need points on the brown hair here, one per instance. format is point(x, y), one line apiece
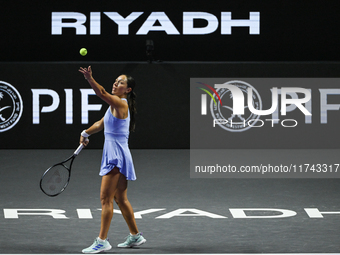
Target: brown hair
point(131, 98)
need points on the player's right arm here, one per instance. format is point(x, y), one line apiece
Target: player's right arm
point(95, 128)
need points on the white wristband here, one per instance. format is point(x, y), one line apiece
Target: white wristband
point(84, 134)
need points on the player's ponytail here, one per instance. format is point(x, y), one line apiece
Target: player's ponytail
point(131, 98)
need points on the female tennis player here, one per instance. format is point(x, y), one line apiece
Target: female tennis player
point(117, 165)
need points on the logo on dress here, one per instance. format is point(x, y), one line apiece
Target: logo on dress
point(11, 106)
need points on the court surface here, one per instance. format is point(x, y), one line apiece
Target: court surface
point(177, 214)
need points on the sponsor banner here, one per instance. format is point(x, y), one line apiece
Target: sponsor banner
point(49, 104)
point(156, 31)
point(227, 113)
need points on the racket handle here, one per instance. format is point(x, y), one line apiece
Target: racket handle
point(80, 147)
point(78, 150)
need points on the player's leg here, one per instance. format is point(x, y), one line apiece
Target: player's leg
point(124, 204)
point(135, 238)
point(107, 193)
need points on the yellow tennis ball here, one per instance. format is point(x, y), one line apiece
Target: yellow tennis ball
point(83, 51)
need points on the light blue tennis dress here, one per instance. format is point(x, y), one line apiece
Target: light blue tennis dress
point(116, 150)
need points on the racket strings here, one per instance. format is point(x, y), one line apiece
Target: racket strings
point(55, 180)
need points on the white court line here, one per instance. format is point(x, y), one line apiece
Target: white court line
point(199, 254)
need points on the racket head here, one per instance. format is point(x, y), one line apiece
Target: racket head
point(55, 179)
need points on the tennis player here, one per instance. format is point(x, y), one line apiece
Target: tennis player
point(117, 165)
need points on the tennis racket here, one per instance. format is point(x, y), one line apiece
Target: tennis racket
point(56, 178)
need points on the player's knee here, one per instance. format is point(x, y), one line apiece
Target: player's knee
point(120, 199)
point(105, 199)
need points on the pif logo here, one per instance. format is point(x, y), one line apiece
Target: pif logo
point(11, 106)
point(239, 105)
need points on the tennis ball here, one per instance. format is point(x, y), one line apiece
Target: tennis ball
point(83, 51)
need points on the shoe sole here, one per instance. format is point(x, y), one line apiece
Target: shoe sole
point(93, 252)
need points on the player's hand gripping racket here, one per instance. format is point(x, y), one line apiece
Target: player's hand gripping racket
point(56, 178)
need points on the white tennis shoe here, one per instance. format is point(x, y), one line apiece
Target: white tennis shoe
point(98, 246)
point(132, 241)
